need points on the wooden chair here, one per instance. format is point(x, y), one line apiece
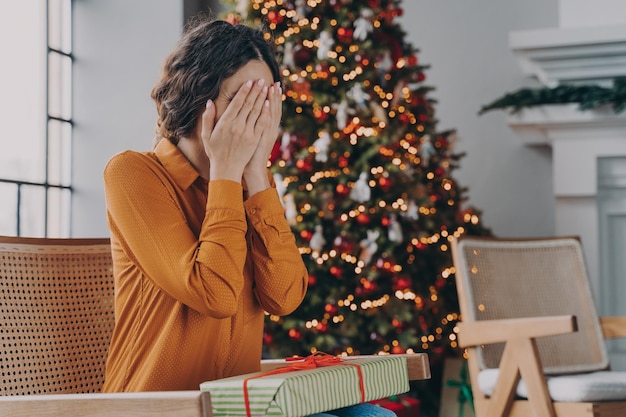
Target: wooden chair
point(57, 316)
point(56, 305)
point(534, 341)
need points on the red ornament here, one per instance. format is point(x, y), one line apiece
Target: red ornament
point(385, 221)
point(330, 308)
point(276, 152)
point(306, 235)
point(345, 34)
point(295, 334)
point(335, 271)
point(421, 76)
point(402, 283)
point(302, 90)
point(312, 280)
point(341, 189)
point(368, 286)
point(404, 118)
point(304, 165)
point(397, 349)
point(320, 115)
point(363, 218)
point(274, 17)
point(384, 183)
point(412, 60)
point(267, 338)
point(342, 243)
point(321, 326)
point(343, 162)
point(302, 56)
point(395, 46)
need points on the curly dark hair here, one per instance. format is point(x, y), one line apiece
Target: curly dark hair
point(209, 52)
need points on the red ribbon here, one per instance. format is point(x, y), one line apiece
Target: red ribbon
point(316, 360)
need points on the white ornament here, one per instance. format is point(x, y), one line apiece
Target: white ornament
point(301, 10)
point(290, 209)
point(412, 212)
point(342, 114)
point(285, 141)
point(326, 42)
point(426, 149)
point(361, 191)
point(369, 246)
point(321, 145)
point(317, 241)
point(395, 230)
point(363, 25)
point(384, 65)
point(242, 8)
point(288, 60)
point(359, 96)
point(280, 187)
point(379, 112)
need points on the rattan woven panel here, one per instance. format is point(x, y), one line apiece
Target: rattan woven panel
point(56, 305)
point(529, 279)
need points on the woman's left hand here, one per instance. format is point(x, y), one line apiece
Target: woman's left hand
point(255, 172)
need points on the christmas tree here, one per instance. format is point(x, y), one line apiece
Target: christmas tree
point(366, 181)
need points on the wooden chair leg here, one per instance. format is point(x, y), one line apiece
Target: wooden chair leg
point(508, 378)
point(532, 374)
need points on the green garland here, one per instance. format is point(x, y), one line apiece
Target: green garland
point(587, 96)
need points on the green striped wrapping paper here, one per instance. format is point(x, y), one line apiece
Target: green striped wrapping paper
point(300, 393)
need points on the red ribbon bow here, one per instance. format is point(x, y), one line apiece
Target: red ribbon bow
point(299, 363)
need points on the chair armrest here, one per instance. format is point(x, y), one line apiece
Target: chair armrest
point(417, 364)
point(485, 332)
point(613, 327)
point(144, 404)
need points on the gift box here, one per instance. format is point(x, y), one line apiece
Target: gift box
point(291, 392)
point(456, 392)
point(401, 405)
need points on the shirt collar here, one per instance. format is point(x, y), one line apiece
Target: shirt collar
point(176, 163)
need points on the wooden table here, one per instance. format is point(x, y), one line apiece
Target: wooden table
point(147, 404)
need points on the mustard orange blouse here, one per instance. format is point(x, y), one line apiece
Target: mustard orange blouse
point(196, 264)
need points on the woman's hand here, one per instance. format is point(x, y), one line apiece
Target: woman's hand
point(255, 172)
point(231, 142)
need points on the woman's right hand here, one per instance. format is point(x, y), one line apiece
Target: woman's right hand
point(230, 143)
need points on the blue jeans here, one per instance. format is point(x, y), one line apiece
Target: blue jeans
point(358, 410)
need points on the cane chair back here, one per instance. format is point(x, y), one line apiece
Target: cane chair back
point(535, 344)
point(532, 278)
point(56, 305)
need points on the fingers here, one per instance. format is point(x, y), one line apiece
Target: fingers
point(276, 103)
point(258, 102)
point(208, 121)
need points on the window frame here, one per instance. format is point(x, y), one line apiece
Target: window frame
point(59, 189)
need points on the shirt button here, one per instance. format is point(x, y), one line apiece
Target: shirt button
point(253, 211)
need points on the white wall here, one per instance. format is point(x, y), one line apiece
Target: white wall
point(466, 44)
point(119, 47)
point(578, 13)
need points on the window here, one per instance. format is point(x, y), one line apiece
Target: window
point(36, 115)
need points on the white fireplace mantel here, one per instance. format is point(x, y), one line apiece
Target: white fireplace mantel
point(583, 54)
point(578, 139)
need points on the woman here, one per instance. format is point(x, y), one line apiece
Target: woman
point(201, 246)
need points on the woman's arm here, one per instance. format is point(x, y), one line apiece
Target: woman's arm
point(205, 273)
point(279, 272)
